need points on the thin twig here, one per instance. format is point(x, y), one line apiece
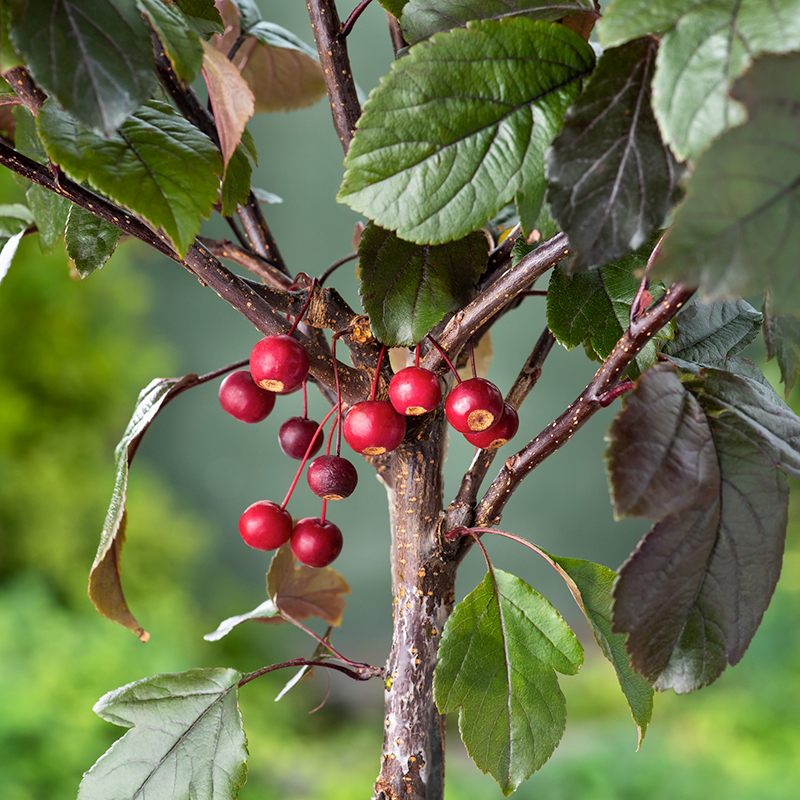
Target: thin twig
point(354, 15)
point(359, 674)
point(581, 410)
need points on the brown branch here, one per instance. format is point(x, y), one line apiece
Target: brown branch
point(263, 306)
point(336, 69)
point(22, 83)
point(398, 42)
point(256, 230)
point(504, 290)
point(247, 259)
point(461, 508)
point(581, 410)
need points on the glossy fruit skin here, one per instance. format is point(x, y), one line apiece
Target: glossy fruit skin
point(316, 542)
point(240, 397)
point(496, 436)
point(373, 427)
point(295, 434)
point(265, 525)
point(279, 364)
point(332, 477)
point(415, 391)
point(473, 405)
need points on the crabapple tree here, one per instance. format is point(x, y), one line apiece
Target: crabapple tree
point(636, 164)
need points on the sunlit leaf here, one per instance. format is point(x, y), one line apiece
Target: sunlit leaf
point(624, 20)
point(304, 592)
point(407, 288)
point(692, 595)
point(231, 99)
point(423, 18)
point(698, 60)
point(434, 163)
point(94, 56)
point(181, 43)
point(105, 586)
point(739, 229)
point(611, 179)
point(497, 660)
point(8, 249)
point(143, 166)
point(90, 240)
point(186, 739)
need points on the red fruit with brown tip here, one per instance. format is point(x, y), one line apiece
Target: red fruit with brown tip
point(316, 542)
point(496, 436)
point(265, 525)
point(474, 405)
point(243, 399)
point(279, 364)
point(415, 391)
point(332, 477)
point(296, 434)
point(373, 427)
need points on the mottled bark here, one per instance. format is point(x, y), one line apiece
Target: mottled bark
point(423, 578)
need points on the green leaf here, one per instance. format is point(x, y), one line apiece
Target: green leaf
point(263, 196)
point(105, 587)
point(624, 20)
point(708, 332)
point(782, 340)
point(8, 249)
point(593, 308)
point(202, 16)
point(236, 186)
point(14, 217)
point(611, 179)
point(591, 586)
point(738, 230)
point(94, 56)
point(50, 210)
point(697, 62)
point(693, 593)
point(143, 166)
point(394, 7)
point(181, 43)
point(281, 70)
point(186, 739)
point(407, 288)
point(249, 12)
point(497, 660)
point(90, 240)
point(423, 18)
point(435, 164)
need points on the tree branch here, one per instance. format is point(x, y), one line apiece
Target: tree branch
point(332, 50)
point(496, 297)
point(581, 410)
point(263, 306)
point(256, 230)
point(461, 508)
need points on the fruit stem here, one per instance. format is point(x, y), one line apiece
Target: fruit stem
point(322, 513)
point(416, 358)
point(377, 372)
point(444, 356)
point(333, 267)
point(472, 358)
point(305, 399)
point(306, 456)
point(305, 306)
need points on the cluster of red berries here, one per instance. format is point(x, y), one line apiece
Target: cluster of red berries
point(279, 365)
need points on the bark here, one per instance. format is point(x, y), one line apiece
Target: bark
point(423, 579)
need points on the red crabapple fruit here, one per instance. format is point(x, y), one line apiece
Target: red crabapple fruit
point(279, 364)
point(473, 405)
point(316, 542)
point(373, 427)
point(243, 399)
point(265, 525)
point(496, 436)
point(296, 434)
point(415, 391)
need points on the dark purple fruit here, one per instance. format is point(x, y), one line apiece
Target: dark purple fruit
point(332, 477)
point(296, 434)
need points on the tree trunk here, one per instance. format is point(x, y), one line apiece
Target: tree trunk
point(423, 579)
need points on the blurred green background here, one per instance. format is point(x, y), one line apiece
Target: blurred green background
point(73, 357)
